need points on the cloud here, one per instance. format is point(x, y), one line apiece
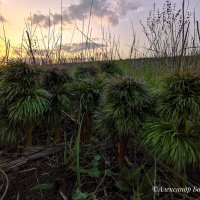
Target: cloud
point(112, 11)
point(76, 47)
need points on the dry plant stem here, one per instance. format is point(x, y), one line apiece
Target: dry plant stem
point(77, 149)
point(87, 38)
point(7, 184)
point(133, 44)
point(86, 129)
point(173, 171)
point(38, 184)
point(7, 43)
point(121, 151)
point(98, 186)
point(61, 22)
point(117, 48)
point(29, 140)
point(198, 32)
point(183, 24)
point(58, 134)
point(21, 47)
point(155, 164)
point(88, 30)
point(30, 48)
point(169, 35)
point(183, 50)
point(177, 178)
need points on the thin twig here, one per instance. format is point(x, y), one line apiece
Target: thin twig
point(7, 184)
point(30, 48)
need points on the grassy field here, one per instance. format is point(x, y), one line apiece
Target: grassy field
point(99, 130)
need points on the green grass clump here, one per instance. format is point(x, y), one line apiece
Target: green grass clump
point(172, 135)
point(124, 107)
point(24, 100)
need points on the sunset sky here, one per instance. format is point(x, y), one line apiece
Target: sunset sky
point(117, 14)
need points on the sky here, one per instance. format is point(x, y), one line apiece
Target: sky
point(108, 17)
